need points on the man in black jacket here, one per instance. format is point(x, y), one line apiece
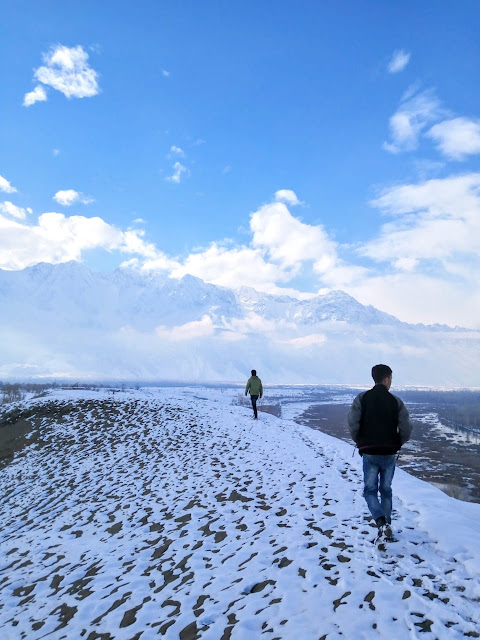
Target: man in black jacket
point(379, 424)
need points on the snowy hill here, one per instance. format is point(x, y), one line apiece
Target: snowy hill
point(171, 513)
point(66, 321)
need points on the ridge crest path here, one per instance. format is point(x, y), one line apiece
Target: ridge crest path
point(171, 513)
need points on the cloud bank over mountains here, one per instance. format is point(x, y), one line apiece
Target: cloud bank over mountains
point(66, 321)
point(418, 266)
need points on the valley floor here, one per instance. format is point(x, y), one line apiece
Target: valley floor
point(171, 513)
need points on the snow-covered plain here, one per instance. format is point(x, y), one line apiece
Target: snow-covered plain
point(171, 513)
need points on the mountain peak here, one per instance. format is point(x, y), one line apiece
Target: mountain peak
point(71, 266)
point(66, 320)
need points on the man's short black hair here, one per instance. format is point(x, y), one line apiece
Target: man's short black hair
point(380, 372)
point(254, 373)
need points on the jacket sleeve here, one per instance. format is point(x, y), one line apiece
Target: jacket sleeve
point(261, 389)
point(354, 417)
point(404, 424)
point(247, 387)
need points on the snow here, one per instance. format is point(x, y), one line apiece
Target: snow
point(171, 512)
point(65, 321)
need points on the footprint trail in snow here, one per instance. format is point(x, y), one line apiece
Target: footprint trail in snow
point(161, 513)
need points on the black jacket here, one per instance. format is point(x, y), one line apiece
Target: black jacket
point(379, 422)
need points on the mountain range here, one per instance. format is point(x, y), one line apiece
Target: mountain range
point(66, 321)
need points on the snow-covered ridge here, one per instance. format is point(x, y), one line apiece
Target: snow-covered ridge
point(123, 293)
point(171, 512)
point(66, 321)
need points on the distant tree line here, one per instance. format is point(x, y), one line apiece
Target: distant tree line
point(456, 408)
point(17, 391)
point(462, 415)
point(14, 391)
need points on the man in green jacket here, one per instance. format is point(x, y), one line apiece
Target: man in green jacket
point(254, 386)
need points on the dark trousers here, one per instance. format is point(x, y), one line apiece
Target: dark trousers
point(254, 404)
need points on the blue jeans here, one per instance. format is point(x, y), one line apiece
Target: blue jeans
point(377, 476)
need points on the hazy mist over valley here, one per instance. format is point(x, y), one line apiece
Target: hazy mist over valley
point(67, 322)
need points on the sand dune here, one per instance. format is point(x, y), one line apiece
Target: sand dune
point(171, 513)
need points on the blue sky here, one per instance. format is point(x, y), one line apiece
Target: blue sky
point(288, 146)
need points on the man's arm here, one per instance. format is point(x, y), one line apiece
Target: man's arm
point(354, 417)
point(261, 389)
point(404, 424)
point(247, 387)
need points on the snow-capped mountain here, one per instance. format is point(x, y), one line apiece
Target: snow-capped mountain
point(67, 321)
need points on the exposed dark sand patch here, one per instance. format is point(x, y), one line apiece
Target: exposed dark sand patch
point(189, 530)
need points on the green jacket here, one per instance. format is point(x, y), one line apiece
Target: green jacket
point(254, 385)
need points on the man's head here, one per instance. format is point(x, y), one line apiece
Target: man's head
point(254, 373)
point(382, 374)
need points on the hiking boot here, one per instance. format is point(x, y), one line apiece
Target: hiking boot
point(387, 530)
point(381, 522)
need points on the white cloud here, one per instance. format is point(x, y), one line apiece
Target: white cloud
point(287, 196)
point(428, 254)
point(281, 247)
point(434, 220)
point(133, 242)
point(6, 186)
point(157, 262)
point(177, 151)
point(12, 210)
point(232, 329)
point(66, 69)
point(56, 238)
point(457, 138)
point(56, 152)
point(231, 267)
point(416, 112)
point(289, 241)
point(191, 330)
point(254, 323)
point(226, 169)
point(341, 275)
point(399, 61)
point(428, 168)
point(417, 297)
point(406, 264)
point(67, 197)
point(307, 341)
point(37, 95)
point(178, 171)
point(165, 73)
